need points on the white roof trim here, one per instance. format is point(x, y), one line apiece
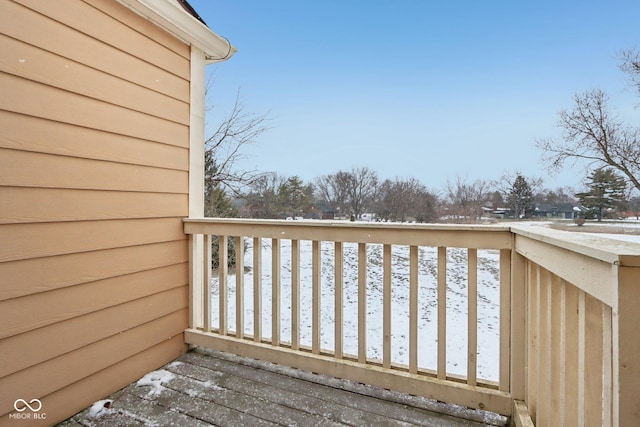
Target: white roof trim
point(168, 14)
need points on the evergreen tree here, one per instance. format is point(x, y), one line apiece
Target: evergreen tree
point(216, 202)
point(294, 198)
point(606, 191)
point(520, 198)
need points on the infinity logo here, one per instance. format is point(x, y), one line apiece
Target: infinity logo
point(37, 405)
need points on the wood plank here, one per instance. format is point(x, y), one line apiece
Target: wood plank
point(593, 363)
point(472, 316)
point(53, 375)
point(570, 364)
point(295, 294)
point(442, 390)
point(54, 171)
point(46, 274)
point(275, 291)
point(544, 353)
point(87, 112)
point(257, 289)
point(38, 310)
point(31, 205)
point(532, 338)
point(69, 43)
point(32, 63)
point(362, 302)
point(334, 405)
point(223, 285)
point(338, 259)
point(83, 330)
point(43, 239)
point(505, 319)
point(518, 326)
point(206, 283)
point(459, 236)
point(595, 277)
point(23, 132)
point(558, 349)
point(78, 395)
point(413, 309)
point(239, 273)
point(442, 313)
point(316, 292)
point(200, 402)
point(387, 306)
point(100, 26)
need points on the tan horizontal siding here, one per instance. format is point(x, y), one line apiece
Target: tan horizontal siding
point(59, 105)
point(23, 132)
point(49, 273)
point(81, 394)
point(30, 62)
point(132, 20)
point(72, 173)
point(54, 374)
point(45, 308)
point(29, 205)
point(100, 26)
point(43, 239)
point(83, 330)
point(94, 183)
point(38, 30)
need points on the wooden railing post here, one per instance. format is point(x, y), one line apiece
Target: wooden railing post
point(518, 325)
point(626, 363)
point(196, 253)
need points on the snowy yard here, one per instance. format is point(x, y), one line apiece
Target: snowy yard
point(488, 303)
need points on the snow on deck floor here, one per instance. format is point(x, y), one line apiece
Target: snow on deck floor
point(204, 388)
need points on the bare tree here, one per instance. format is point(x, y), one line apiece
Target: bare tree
point(466, 199)
point(350, 192)
point(631, 66)
point(404, 200)
point(224, 147)
point(591, 133)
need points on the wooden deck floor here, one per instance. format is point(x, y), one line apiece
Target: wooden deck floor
point(204, 388)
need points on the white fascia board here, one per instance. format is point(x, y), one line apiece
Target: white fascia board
point(168, 14)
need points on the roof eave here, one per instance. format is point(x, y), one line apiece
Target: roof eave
point(170, 16)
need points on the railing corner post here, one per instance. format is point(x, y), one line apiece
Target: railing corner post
point(196, 279)
point(518, 325)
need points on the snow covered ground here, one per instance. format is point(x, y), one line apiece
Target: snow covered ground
point(488, 303)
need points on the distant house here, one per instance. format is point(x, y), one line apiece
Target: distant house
point(101, 157)
point(558, 210)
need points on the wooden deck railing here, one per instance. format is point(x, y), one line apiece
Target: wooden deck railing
point(555, 301)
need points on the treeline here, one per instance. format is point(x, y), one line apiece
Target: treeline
point(360, 191)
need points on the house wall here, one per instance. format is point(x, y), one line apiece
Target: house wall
point(94, 182)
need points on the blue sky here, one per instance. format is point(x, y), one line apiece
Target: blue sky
point(424, 89)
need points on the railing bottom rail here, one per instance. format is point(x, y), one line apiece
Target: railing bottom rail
point(420, 385)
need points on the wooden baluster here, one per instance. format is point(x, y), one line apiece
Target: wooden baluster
point(239, 287)
point(275, 291)
point(339, 296)
point(362, 302)
point(206, 302)
point(315, 295)
point(295, 294)
point(472, 317)
point(223, 257)
point(386, 310)
point(442, 312)
point(257, 289)
point(413, 309)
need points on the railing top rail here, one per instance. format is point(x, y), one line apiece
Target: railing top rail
point(449, 235)
point(612, 251)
